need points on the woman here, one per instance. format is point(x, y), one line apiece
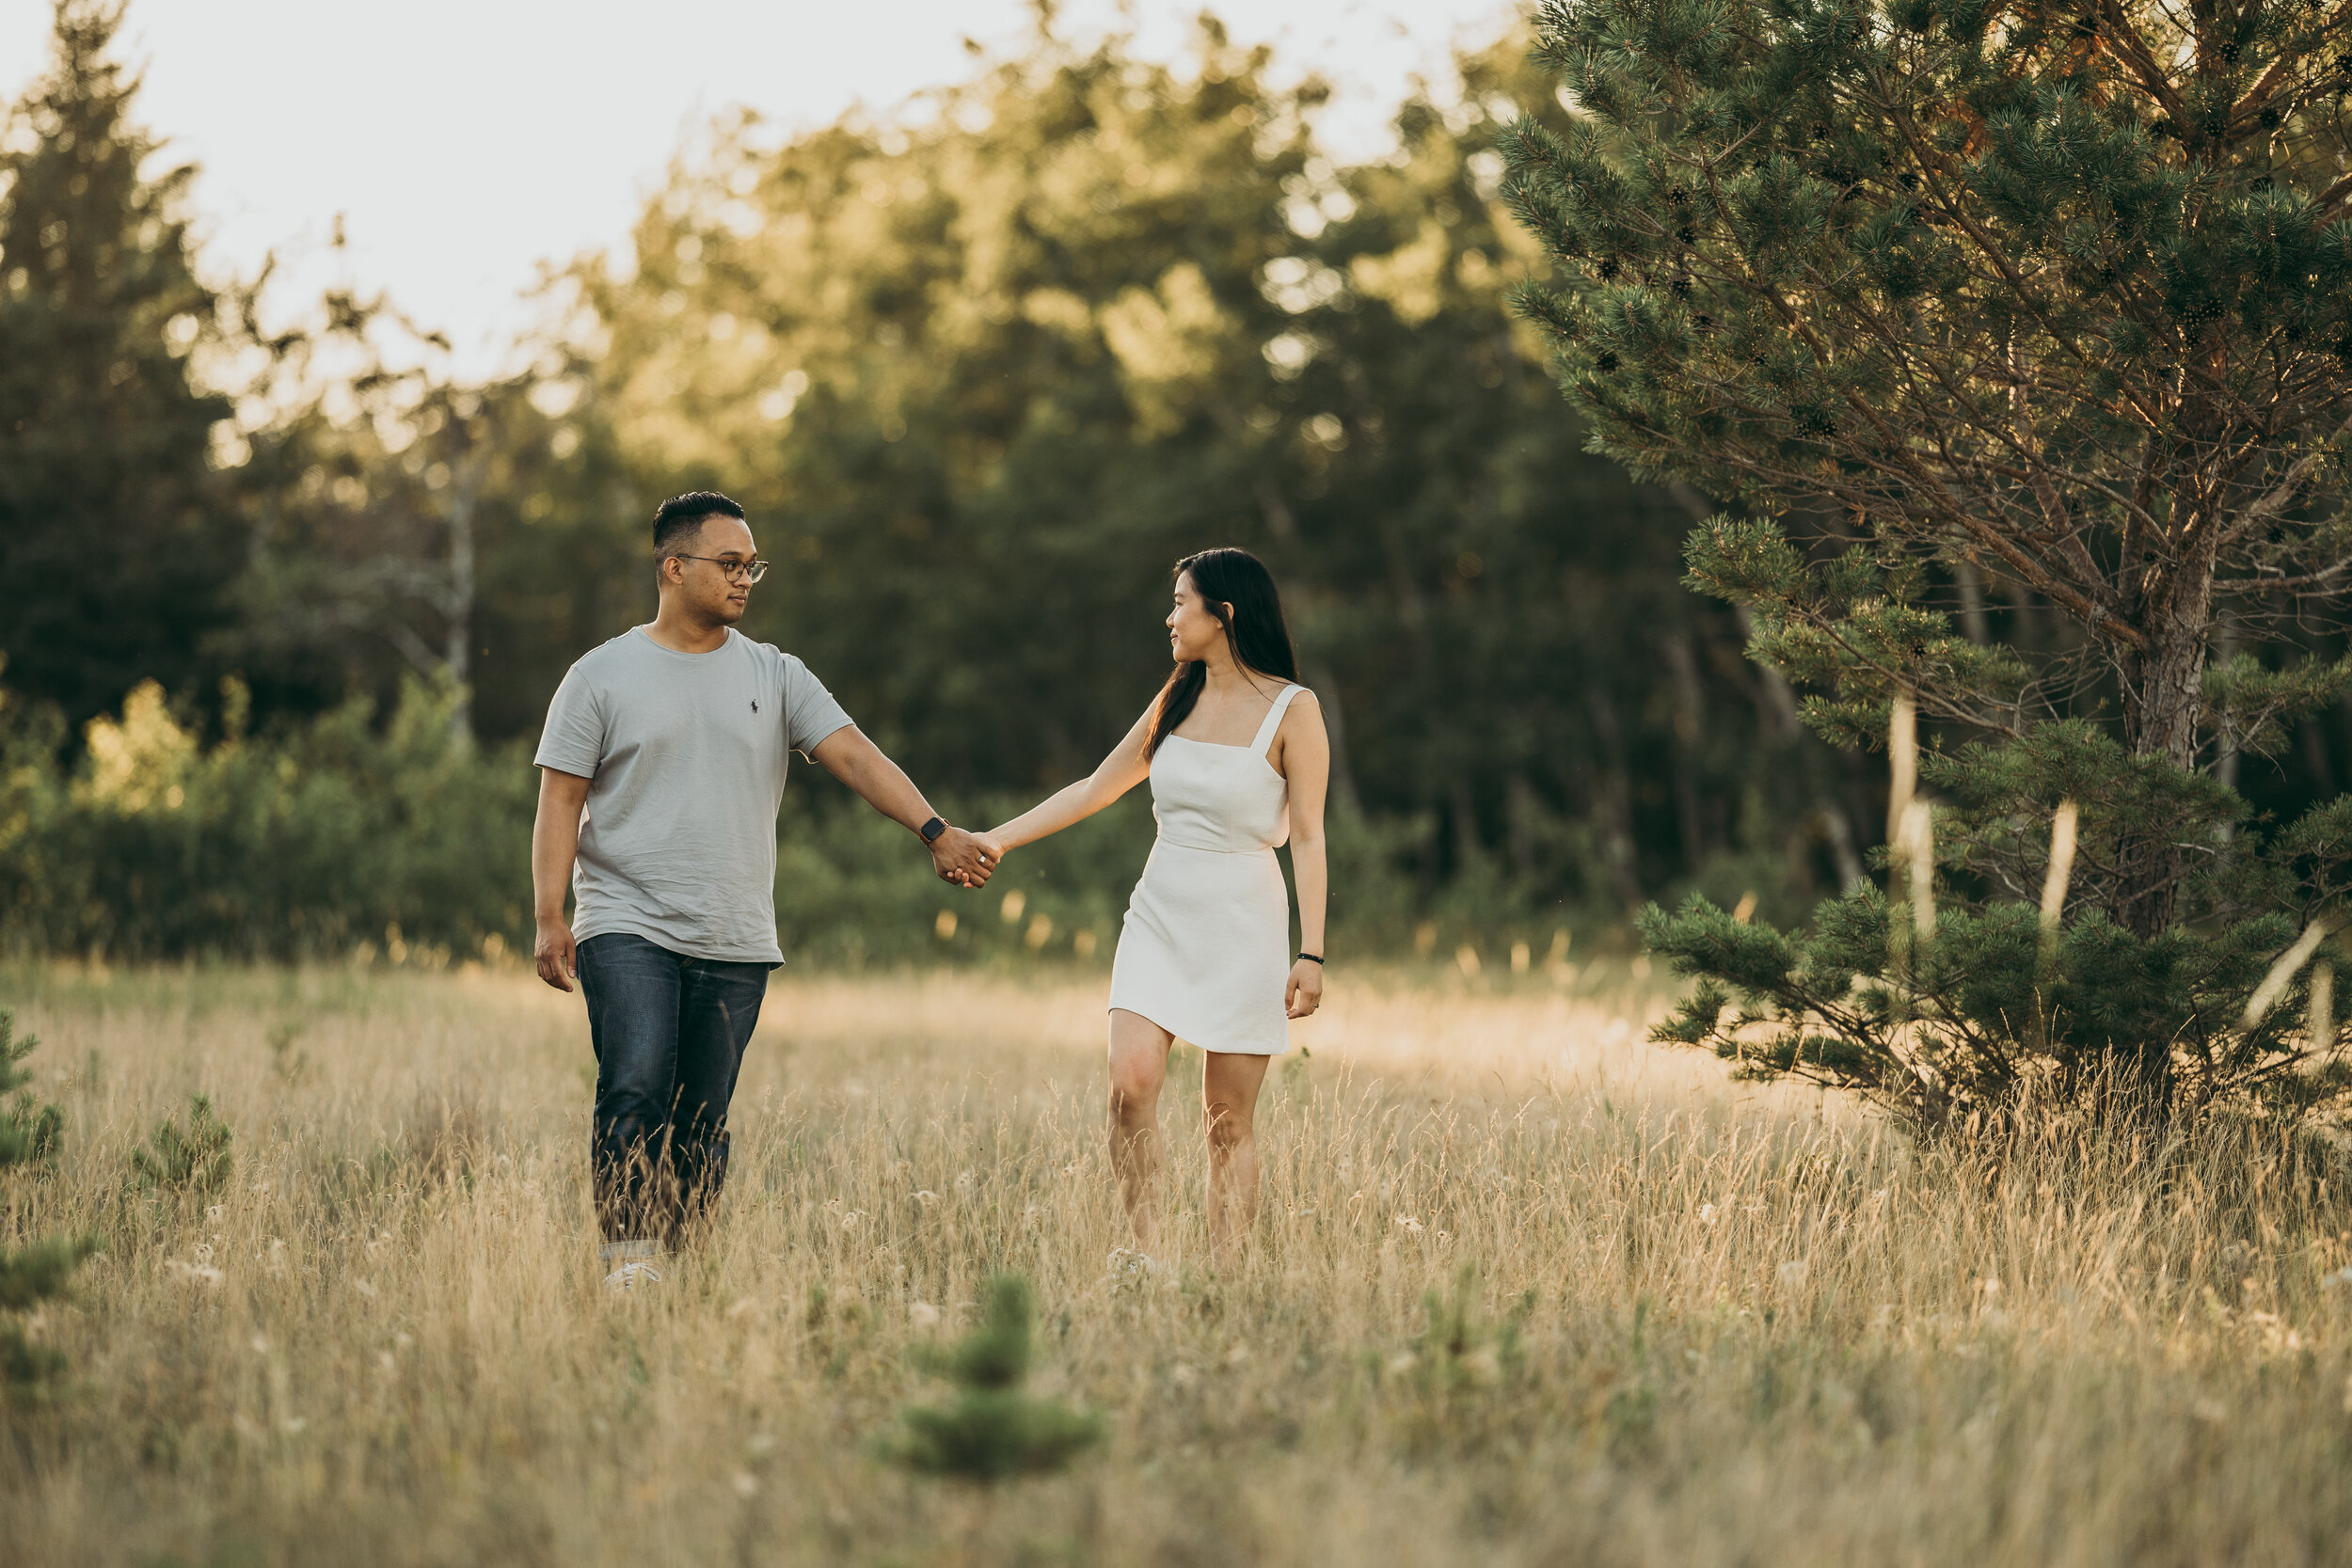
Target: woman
point(1238, 760)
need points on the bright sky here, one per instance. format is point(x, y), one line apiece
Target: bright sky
point(467, 141)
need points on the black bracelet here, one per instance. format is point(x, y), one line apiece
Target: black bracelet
point(1311, 958)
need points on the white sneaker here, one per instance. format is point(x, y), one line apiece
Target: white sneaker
point(632, 1265)
point(631, 1276)
point(1129, 1266)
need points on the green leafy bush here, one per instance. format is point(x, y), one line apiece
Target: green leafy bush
point(297, 843)
point(392, 836)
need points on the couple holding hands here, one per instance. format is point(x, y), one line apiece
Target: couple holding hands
point(661, 769)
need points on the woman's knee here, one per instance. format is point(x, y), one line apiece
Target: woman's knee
point(1228, 1097)
point(1135, 1097)
point(1138, 1065)
point(1230, 1126)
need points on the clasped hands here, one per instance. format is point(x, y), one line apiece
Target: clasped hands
point(963, 858)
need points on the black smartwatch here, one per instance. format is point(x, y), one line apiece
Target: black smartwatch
point(931, 830)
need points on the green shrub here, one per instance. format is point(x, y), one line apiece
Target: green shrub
point(29, 1132)
point(390, 834)
point(29, 1276)
point(195, 1158)
point(1460, 1349)
point(300, 843)
point(29, 1135)
point(1951, 1001)
point(991, 1431)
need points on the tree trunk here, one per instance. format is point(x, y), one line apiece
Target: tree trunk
point(1688, 725)
point(1788, 728)
point(2163, 684)
point(1520, 807)
point(458, 643)
point(1468, 850)
point(1973, 624)
point(1616, 804)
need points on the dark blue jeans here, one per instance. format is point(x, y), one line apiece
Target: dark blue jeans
point(669, 1032)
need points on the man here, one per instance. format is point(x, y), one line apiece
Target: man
point(673, 737)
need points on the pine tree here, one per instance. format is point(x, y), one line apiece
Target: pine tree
point(29, 1135)
point(116, 532)
point(2054, 295)
point(992, 1432)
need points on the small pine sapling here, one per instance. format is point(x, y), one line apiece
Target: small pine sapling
point(1458, 1349)
point(991, 1431)
point(30, 1134)
point(1454, 1381)
point(195, 1159)
point(29, 1276)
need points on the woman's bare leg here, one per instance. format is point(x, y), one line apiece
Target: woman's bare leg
point(1138, 1069)
point(1228, 1108)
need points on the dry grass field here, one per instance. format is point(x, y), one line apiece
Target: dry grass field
point(1704, 1324)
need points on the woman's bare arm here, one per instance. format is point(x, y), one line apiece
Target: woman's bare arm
point(1306, 762)
point(1120, 771)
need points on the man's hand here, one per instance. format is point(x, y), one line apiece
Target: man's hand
point(554, 846)
point(555, 955)
point(963, 858)
point(848, 755)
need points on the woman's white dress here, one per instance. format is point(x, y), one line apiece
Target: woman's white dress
point(1205, 951)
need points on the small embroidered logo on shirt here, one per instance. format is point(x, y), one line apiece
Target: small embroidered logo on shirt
point(755, 704)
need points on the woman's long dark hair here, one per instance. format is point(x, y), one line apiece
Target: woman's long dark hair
point(1254, 633)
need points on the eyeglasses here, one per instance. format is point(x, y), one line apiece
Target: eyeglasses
point(737, 571)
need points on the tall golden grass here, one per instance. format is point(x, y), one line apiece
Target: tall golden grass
point(1525, 1291)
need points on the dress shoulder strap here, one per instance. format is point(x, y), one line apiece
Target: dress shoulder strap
point(1274, 719)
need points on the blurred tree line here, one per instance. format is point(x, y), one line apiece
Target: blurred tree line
point(982, 371)
point(981, 368)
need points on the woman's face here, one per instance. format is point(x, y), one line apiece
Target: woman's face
point(1193, 632)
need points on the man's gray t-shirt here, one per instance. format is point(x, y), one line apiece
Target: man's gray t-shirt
point(686, 753)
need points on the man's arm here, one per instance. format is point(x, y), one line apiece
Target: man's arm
point(554, 844)
point(848, 755)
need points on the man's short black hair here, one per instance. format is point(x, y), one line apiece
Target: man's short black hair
point(676, 520)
